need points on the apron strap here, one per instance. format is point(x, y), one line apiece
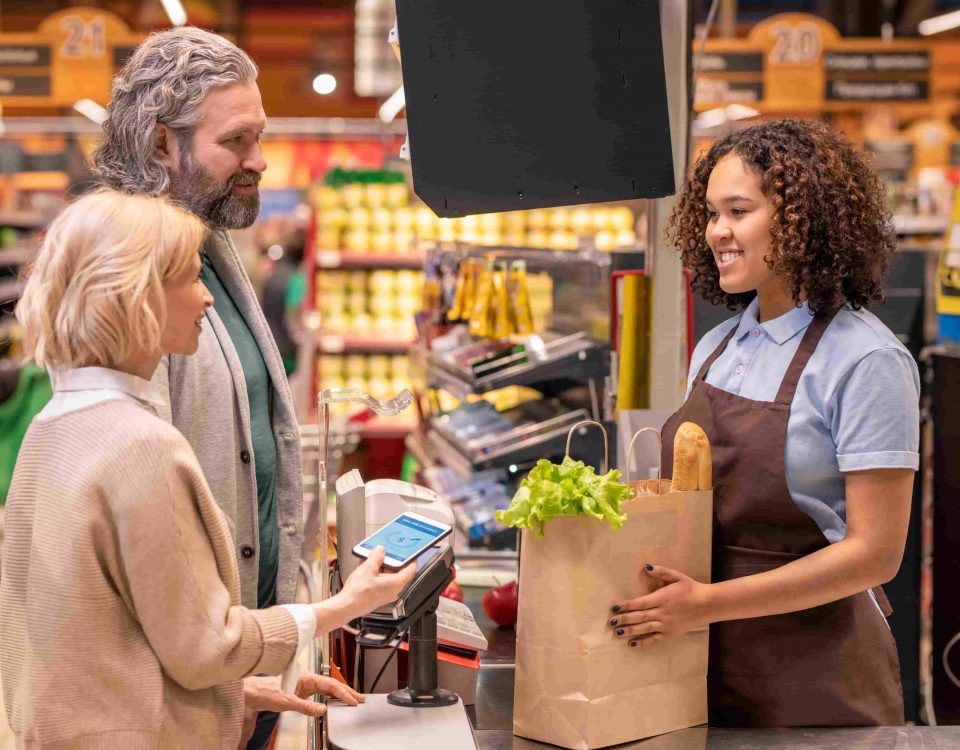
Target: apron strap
point(719, 350)
point(808, 344)
point(883, 601)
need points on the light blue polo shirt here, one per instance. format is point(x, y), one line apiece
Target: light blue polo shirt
point(857, 405)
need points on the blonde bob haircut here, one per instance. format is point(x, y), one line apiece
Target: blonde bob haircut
point(94, 295)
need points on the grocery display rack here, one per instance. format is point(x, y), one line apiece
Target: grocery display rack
point(502, 450)
point(568, 363)
point(573, 357)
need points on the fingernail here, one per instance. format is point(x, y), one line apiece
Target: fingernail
point(619, 631)
point(633, 644)
point(649, 566)
point(613, 622)
point(616, 608)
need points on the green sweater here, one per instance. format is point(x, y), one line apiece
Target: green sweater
point(31, 395)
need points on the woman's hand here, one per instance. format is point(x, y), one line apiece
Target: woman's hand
point(265, 694)
point(368, 587)
point(679, 606)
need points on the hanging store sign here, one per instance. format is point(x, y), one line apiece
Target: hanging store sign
point(872, 91)
point(807, 66)
point(729, 62)
point(24, 55)
point(73, 55)
point(876, 62)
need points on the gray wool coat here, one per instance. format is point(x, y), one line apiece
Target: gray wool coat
point(207, 401)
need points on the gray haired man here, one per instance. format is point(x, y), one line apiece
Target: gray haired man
point(186, 120)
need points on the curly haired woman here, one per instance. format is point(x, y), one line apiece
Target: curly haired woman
point(811, 407)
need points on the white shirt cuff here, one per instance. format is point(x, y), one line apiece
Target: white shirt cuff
point(306, 620)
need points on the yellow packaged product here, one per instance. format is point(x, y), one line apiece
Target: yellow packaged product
point(519, 295)
point(481, 323)
point(456, 306)
point(502, 326)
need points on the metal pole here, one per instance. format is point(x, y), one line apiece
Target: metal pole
point(668, 343)
point(320, 648)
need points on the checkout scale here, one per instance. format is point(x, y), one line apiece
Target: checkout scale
point(400, 719)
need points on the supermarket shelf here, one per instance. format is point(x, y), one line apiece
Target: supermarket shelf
point(576, 357)
point(534, 256)
point(331, 260)
point(22, 219)
point(328, 343)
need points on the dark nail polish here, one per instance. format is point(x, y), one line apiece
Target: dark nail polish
point(633, 644)
point(616, 608)
point(620, 631)
point(613, 622)
point(649, 566)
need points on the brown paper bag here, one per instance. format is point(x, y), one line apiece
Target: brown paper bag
point(578, 685)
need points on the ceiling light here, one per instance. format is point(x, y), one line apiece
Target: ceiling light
point(91, 110)
point(939, 23)
point(175, 12)
point(274, 252)
point(324, 84)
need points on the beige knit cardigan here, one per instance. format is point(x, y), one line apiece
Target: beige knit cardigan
point(120, 617)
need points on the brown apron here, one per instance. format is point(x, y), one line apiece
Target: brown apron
point(833, 665)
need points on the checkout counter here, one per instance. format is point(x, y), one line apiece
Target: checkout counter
point(492, 716)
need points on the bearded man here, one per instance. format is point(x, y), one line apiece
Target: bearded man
point(186, 119)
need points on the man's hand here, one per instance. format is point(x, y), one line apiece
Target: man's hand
point(264, 694)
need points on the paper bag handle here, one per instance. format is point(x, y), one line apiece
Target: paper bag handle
point(606, 446)
point(633, 443)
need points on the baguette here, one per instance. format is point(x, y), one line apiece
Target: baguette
point(692, 462)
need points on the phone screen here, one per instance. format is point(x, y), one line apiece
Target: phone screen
point(403, 537)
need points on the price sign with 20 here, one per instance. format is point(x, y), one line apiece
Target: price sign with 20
point(796, 43)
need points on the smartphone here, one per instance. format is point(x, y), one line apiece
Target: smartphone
point(405, 538)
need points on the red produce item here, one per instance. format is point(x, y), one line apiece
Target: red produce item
point(500, 604)
point(453, 591)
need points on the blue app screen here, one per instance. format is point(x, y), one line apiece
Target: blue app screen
point(403, 536)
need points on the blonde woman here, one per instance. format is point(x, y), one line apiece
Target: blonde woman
point(120, 616)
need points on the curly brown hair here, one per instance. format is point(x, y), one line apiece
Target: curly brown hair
point(831, 236)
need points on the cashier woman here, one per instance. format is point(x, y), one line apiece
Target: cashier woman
point(811, 407)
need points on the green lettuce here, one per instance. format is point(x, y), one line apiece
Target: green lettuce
point(569, 489)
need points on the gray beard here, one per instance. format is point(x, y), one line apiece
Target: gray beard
point(215, 203)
